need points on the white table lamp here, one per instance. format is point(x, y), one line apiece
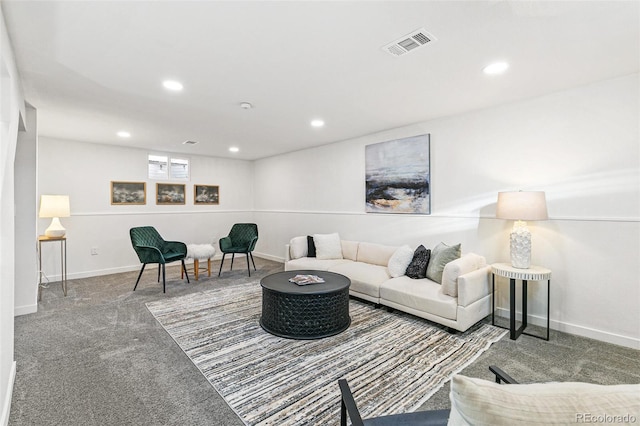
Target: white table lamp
point(55, 207)
point(521, 206)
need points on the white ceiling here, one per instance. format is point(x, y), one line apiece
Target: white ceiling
point(92, 68)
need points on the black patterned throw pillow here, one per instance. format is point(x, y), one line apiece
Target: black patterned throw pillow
point(311, 247)
point(418, 266)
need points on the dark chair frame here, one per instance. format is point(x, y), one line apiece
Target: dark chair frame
point(349, 409)
point(226, 245)
point(155, 253)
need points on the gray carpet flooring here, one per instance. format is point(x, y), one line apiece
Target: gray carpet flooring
point(98, 357)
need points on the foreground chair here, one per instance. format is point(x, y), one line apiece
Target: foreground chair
point(151, 248)
point(241, 239)
point(348, 408)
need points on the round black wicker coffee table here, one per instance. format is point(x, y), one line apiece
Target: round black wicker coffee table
point(309, 311)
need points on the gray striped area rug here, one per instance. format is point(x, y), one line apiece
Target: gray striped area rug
point(393, 361)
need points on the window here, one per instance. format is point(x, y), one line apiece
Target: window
point(163, 167)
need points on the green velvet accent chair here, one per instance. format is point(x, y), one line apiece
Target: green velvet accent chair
point(241, 239)
point(151, 248)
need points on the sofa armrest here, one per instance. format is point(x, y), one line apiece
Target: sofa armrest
point(473, 286)
point(453, 270)
point(287, 253)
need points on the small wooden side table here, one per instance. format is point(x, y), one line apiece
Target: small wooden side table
point(533, 273)
point(63, 261)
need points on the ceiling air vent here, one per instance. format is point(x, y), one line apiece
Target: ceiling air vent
point(411, 41)
point(189, 143)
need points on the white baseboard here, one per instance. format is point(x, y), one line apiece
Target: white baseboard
point(109, 271)
point(6, 404)
point(24, 310)
point(578, 330)
point(269, 257)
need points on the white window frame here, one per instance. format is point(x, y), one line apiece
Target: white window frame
point(169, 162)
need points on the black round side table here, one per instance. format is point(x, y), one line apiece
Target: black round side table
point(311, 311)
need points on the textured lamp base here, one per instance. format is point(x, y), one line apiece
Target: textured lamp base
point(55, 230)
point(520, 245)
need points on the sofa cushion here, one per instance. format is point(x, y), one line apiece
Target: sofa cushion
point(417, 268)
point(399, 261)
point(328, 246)
point(313, 263)
point(365, 278)
point(481, 402)
point(440, 256)
point(349, 250)
point(375, 254)
point(422, 295)
point(452, 270)
point(298, 247)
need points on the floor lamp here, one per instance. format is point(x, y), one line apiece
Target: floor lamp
point(521, 206)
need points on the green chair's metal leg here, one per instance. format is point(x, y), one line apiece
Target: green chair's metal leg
point(184, 268)
point(139, 275)
point(164, 286)
point(221, 263)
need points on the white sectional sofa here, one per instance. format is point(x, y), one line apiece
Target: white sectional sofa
point(459, 302)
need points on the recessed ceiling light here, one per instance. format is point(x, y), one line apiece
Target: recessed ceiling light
point(234, 149)
point(124, 134)
point(496, 68)
point(176, 86)
point(317, 123)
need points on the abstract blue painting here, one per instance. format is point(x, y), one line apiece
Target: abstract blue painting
point(398, 176)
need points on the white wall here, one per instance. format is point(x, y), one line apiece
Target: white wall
point(84, 171)
point(26, 258)
point(12, 112)
point(580, 146)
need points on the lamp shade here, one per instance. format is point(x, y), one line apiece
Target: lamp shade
point(522, 205)
point(54, 206)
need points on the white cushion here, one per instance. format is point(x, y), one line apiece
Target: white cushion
point(298, 247)
point(365, 278)
point(312, 263)
point(452, 270)
point(422, 294)
point(349, 250)
point(481, 402)
point(200, 251)
point(328, 246)
point(399, 261)
point(375, 254)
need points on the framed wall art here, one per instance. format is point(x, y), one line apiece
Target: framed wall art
point(206, 194)
point(397, 175)
point(170, 193)
point(128, 193)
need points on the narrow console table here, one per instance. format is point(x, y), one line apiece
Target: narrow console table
point(63, 261)
point(533, 273)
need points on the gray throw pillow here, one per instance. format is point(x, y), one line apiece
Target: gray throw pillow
point(418, 267)
point(440, 256)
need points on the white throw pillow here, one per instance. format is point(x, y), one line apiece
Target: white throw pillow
point(481, 402)
point(399, 261)
point(298, 247)
point(327, 246)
